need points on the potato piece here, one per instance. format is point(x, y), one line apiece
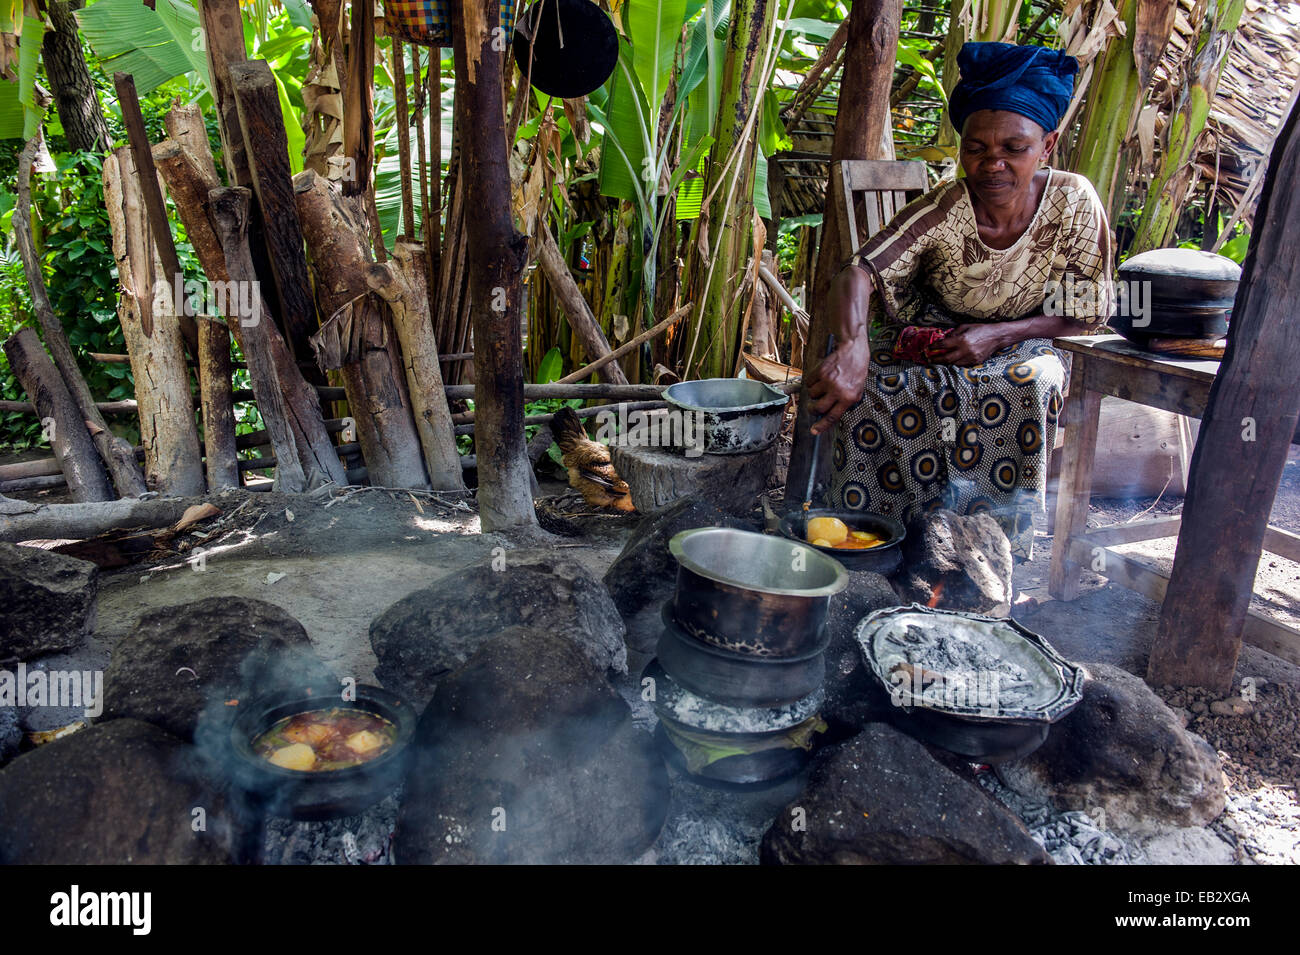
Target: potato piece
point(822, 542)
point(298, 756)
point(865, 536)
point(830, 529)
point(313, 734)
point(364, 741)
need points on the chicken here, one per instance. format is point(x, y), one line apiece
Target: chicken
point(590, 470)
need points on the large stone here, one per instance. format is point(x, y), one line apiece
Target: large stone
point(426, 635)
point(644, 573)
point(1123, 751)
point(881, 799)
point(958, 563)
point(659, 476)
point(118, 792)
point(11, 734)
point(48, 601)
point(527, 755)
point(852, 697)
point(182, 660)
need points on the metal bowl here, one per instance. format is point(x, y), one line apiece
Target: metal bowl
point(319, 795)
point(753, 593)
point(975, 723)
point(737, 415)
point(738, 679)
point(884, 559)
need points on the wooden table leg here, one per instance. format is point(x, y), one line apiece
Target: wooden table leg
point(1082, 411)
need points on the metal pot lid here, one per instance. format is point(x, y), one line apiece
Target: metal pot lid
point(1183, 263)
point(751, 561)
point(964, 664)
point(566, 48)
point(725, 395)
point(680, 705)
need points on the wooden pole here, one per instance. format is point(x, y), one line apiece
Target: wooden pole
point(495, 271)
point(1246, 431)
point(862, 121)
point(588, 370)
point(262, 123)
point(218, 404)
point(63, 425)
point(185, 125)
point(172, 462)
point(113, 451)
point(403, 119)
point(223, 34)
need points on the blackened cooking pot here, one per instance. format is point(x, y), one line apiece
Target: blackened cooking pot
point(884, 559)
point(753, 593)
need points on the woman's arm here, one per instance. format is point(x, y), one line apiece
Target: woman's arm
point(969, 345)
point(836, 383)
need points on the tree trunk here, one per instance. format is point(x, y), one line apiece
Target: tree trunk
point(75, 96)
point(358, 337)
point(218, 404)
point(162, 385)
point(113, 451)
point(401, 284)
point(61, 420)
point(495, 272)
point(860, 131)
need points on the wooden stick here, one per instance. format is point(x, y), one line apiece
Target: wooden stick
point(127, 406)
point(581, 320)
point(403, 121)
point(588, 370)
point(218, 404)
point(113, 451)
point(558, 390)
point(81, 521)
point(64, 426)
point(468, 428)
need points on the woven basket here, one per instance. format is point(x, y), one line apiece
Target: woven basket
point(428, 22)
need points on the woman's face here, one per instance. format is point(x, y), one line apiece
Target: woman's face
point(1001, 151)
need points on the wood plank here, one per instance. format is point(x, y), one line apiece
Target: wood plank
point(1156, 389)
point(1236, 468)
point(1282, 542)
point(886, 175)
point(1136, 532)
point(1082, 413)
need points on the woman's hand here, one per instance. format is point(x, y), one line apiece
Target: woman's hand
point(836, 384)
point(968, 345)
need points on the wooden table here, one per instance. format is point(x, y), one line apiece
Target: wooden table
point(1109, 365)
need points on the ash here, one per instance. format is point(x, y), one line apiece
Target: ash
point(965, 653)
point(1070, 838)
point(363, 839)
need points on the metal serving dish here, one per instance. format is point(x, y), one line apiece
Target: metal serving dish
point(328, 794)
point(972, 713)
point(752, 593)
point(738, 415)
point(884, 559)
point(738, 679)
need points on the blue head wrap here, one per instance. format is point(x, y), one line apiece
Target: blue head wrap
point(1030, 80)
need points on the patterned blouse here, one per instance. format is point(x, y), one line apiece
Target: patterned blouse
point(931, 254)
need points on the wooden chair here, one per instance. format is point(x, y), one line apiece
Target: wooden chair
point(872, 191)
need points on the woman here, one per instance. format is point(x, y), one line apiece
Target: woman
point(961, 413)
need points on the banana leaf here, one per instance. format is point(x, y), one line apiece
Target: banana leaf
point(154, 46)
point(19, 114)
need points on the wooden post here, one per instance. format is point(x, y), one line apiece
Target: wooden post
point(358, 337)
point(1245, 434)
point(862, 121)
point(218, 404)
point(63, 424)
point(223, 31)
point(113, 451)
point(185, 125)
point(496, 267)
point(192, 193)
point(401, 284)
point(172, 462)
point(268, 162)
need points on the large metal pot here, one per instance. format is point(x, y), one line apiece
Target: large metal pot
point(752, 593)
point(738, 679)
point(1187, 294)
point(737, 415)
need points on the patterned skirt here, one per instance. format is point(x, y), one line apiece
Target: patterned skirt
point(971, 440)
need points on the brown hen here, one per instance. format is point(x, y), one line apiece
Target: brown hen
point(590, 470)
